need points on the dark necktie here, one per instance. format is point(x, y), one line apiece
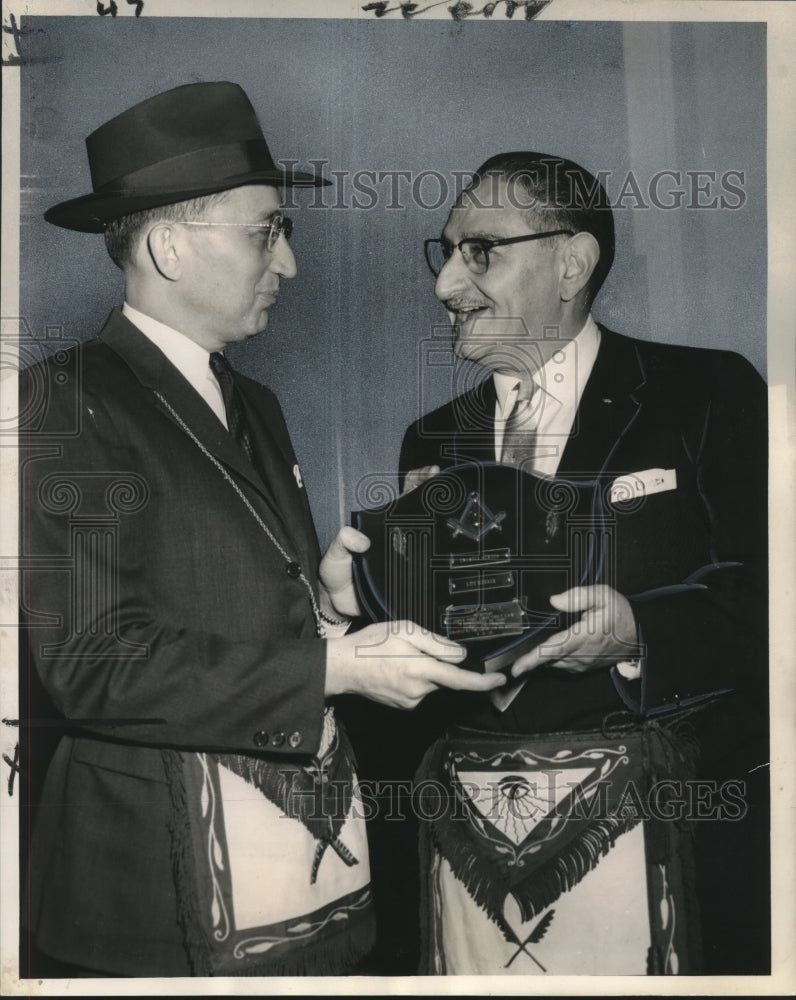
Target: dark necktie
point(236, 421)
point(519, 437)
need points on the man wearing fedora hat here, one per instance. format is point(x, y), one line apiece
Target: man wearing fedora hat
point(199, 815)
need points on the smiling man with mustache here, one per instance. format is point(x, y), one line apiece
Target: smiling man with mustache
point(674, 627)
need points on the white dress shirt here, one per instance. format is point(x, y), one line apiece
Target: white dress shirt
point(558, 387)
point(188, 357)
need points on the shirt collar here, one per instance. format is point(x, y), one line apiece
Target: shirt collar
point(571, 364)
point(188, 357)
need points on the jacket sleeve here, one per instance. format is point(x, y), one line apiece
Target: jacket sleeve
point(411, 456)
point(709, 634)
point(421, 447)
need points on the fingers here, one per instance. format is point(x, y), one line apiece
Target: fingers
point(405, 640)
point(429, 642)
point(418, 476)
point(549, 651)
point(458, 679)
point(398, 664)
point(435, 658)
point(554, 649)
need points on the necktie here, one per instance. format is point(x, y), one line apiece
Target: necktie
point(236, 421)
point(519, 437)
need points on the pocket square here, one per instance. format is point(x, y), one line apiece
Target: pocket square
point(642, 484)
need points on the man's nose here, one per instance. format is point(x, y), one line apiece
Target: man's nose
point(283, 262)
point(454, 277)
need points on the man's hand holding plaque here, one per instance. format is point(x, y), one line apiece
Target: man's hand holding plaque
point(395, 663)
point(601, 636)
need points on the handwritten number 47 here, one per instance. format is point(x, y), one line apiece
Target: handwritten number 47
point(112, 9)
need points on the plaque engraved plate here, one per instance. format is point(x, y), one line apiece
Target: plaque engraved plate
point(481, 581)
point(490, 557)
point(475, 553)
point(484, 621)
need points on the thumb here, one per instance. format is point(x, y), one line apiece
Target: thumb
point(576, 599)
point(346, 541)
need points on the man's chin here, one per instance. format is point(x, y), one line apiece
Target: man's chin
point(255, 328)
point(468, 348)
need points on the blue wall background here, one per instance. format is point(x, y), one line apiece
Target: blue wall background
point(357, 346)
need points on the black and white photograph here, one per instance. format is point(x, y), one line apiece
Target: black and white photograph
point(398, 482)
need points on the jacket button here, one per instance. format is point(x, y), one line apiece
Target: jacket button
point(293, 570)
point(277, 739)
point(294, 740)
point(260, 739)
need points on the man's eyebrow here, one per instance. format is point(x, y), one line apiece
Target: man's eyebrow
point(476, 234)
point(269, 216)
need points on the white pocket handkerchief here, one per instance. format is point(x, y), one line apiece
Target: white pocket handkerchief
point(642, 484)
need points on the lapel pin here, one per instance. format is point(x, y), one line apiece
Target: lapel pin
point(297, 474)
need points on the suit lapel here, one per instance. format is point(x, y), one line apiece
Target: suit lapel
point(610, 403)
point(156, 373)
point(475, 421)
point(277, 461)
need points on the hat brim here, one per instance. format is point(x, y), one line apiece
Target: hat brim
point(92, 212)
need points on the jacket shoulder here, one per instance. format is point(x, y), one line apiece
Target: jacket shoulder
point(699, 368)
point(52, 390)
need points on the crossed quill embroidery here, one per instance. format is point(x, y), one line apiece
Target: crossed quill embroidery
point(534, 937)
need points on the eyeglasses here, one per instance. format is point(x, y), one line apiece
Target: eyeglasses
point(280, 226)
point(475, 250)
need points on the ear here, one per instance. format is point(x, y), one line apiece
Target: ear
point(579, 259)
point(164, 250)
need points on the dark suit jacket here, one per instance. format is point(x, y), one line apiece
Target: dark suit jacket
point(160, 615)
point(692, 561)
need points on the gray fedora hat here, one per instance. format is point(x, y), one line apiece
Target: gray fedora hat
point(191, 141)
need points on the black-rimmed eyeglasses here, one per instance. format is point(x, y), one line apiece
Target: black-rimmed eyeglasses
point(475, 249)
point(280, 226)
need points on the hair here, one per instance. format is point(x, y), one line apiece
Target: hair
point(122, 234)
point(558, 194)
